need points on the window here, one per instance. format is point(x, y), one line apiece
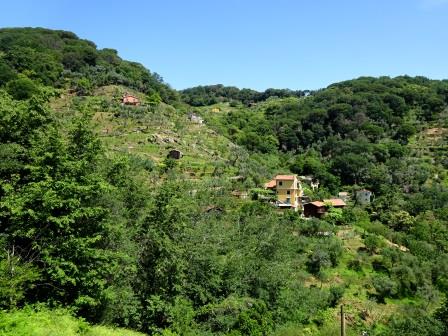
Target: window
point(288, 192)
point(288, 200)
point(280, 183)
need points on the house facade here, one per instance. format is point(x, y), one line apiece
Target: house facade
point(363, 197)
point(288, 190)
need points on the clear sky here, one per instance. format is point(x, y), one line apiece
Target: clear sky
point(258, 44)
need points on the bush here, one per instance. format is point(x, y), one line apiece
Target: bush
point(373, 243)
point(22, 88)
point(336, 293)
point(384, 286)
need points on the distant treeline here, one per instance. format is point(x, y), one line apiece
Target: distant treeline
point(212, 94)
point(354, 131)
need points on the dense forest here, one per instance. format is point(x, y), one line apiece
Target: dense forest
point(212, 94)
point(104, 237)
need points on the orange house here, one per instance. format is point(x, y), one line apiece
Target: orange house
point(129, 99)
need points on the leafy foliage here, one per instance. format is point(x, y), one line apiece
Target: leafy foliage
point(124, 240)
point(59, 58)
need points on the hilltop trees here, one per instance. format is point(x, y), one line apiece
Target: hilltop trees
point(212, 94)
point(60, 59)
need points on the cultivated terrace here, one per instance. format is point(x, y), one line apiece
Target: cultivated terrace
point(128, 207)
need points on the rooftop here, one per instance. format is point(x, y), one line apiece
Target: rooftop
point(285, 177)
point(335, 202)
point(270, 184)
point(332, 201)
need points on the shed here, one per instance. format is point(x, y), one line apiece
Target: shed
point(175, 154)
point(318, 208)
point(314, 209)
point(363, 196)
point(129, 99)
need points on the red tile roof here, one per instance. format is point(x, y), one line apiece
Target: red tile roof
point(128, 98)
point(285, 177)
point(335, 202)
point(332, 201)
point(270, 184)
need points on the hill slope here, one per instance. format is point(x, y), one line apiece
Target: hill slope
point(94, 217)
point(61, 59)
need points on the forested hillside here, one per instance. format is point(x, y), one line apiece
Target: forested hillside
point(97, 222)
point(212, 94)
point(60, 59)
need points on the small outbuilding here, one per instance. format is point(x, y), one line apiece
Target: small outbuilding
point(363, 196)
point(129, 99)
point(314, 209)
point(319, 208)
point(175, 154)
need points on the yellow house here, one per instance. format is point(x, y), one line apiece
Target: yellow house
point(288, 190)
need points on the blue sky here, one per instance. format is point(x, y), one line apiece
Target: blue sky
point(256, 43)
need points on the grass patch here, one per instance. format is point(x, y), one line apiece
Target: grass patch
point(57, 322)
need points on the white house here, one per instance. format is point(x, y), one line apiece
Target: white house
point(363, 196)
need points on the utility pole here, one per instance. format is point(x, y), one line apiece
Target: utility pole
point(342, 321)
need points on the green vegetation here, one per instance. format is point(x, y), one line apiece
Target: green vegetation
point(100, 230)
point(30, 56)
point(57, 322)
point(213, 94)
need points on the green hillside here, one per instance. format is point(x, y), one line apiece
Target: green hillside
point(60, 59)
point(100, 227)
point(57, 322)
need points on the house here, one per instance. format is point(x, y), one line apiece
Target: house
point(129, 99)
point(195, 118)
point(215, 109)
point(363, 196)
point(319, 208)
point(288, 191)
point(175, 154)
